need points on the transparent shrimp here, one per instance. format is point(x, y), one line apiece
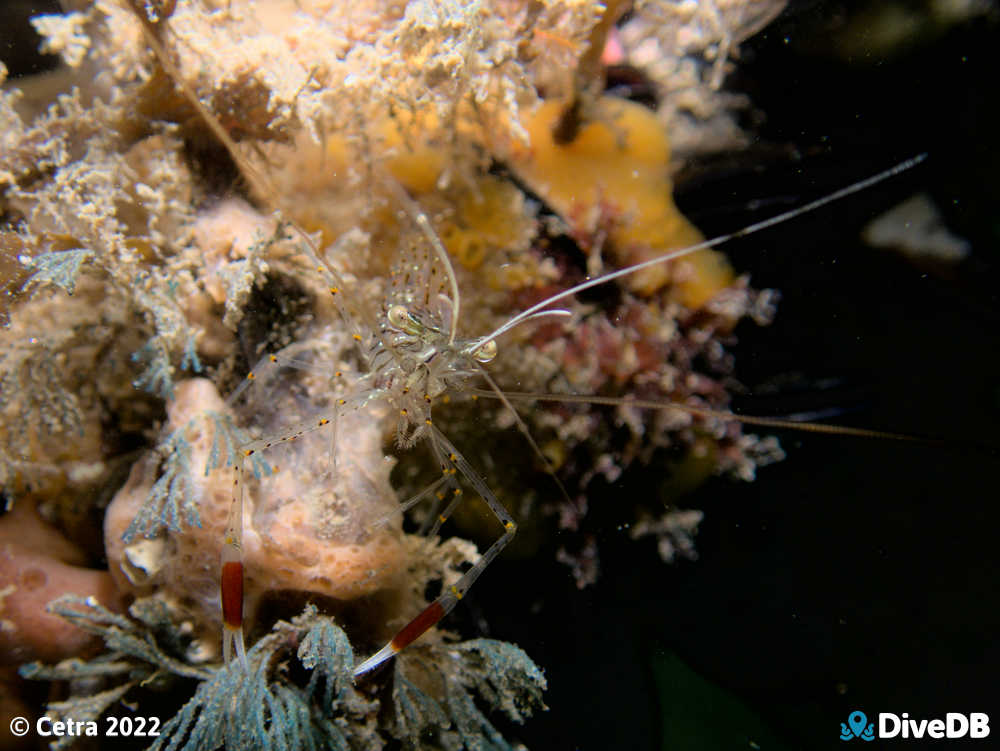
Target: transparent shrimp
point(484, 348)
point(414, 356)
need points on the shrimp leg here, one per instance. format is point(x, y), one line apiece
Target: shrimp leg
point(447, 600)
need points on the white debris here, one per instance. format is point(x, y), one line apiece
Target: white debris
point(916, 229)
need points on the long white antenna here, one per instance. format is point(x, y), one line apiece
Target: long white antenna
point(675, 254)
point(421, 220)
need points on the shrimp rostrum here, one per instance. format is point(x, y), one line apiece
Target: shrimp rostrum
point(414, 356)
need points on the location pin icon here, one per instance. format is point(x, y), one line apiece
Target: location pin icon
point(857, 721)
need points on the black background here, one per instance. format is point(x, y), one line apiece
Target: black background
point(856, 574)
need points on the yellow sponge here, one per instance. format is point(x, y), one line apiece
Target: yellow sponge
point(613, 177)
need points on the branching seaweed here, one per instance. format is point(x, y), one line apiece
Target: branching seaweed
point(327, 652)
point(58, 268)
point(127, 640)
point(225, 439)
point(173, 496)
point(158, 376)
point(134, 657)
point(476, 732)
point(271, 706)
point(174, 338)
point(259, 709)
point(498, 673)
point(32, 382)
point(502, 674)
point(417, 714)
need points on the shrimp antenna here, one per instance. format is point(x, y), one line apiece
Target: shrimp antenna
point(718, 414)
point(498, 393)
point(421, 220)
point(719, 240)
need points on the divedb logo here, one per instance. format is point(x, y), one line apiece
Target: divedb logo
point(954, 725)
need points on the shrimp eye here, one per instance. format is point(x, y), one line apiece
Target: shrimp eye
point(486, 352)
point(399, 317)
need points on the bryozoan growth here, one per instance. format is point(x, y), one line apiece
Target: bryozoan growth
point(298, 692)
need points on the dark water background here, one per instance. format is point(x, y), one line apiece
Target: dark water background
point(856, 574)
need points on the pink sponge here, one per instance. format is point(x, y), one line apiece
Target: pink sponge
point(37, 565)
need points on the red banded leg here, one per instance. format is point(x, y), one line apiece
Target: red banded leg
point(232, 602)
point(231, 577)
point(447, 600)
